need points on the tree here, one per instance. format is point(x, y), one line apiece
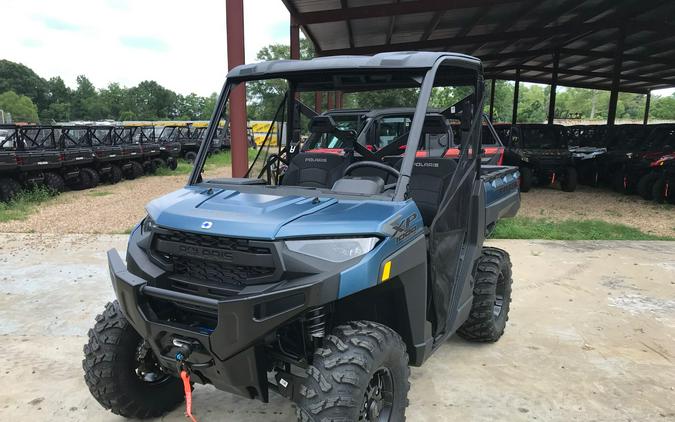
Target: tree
point(663, 107)
point(21, 107)
point(152, 101)
point(23, 81)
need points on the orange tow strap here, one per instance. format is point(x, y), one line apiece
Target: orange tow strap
point(188, 394)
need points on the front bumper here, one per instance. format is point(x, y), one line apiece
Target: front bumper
point(231, 355)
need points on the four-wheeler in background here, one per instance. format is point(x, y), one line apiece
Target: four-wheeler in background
point(633, 174)
point(587, 145)
point(169, 146)
point(109, 160)
point(621, 141)
point(134, 165)
point(541, 153)
point(38, 157)
point(9, 141)
point(312, 282)
point(144, 135)
point(78, 170)
point(663, 189)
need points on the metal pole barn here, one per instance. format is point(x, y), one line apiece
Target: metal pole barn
point(234, 12)
point(616, 77)
point(492, 99)
point(514, 116)
point(647, 105)
point(554, 87)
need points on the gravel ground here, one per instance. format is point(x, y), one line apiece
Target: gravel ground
point(116, 208)
point(600, 204)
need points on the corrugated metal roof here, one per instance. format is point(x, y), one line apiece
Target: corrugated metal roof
point(509, 35)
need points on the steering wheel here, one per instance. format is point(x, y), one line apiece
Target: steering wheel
point(375, 164)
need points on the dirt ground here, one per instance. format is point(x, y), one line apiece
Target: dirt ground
point(117, 208)
point(591, 337)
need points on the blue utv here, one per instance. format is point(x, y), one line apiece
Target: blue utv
point(328, 275)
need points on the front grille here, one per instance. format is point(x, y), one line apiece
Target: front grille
point(206, 264)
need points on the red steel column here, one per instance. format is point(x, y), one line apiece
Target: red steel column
point(338, 99)
point(331, 97)
point(295, 40)
point(234, 11)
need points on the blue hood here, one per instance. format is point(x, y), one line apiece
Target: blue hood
point(264, 216)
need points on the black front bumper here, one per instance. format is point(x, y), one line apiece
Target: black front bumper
point(231, 355)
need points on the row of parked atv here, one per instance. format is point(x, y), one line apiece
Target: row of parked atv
point(631, 158)
point(79, 157)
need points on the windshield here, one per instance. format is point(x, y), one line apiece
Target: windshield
point(327, 120)
point(542, 136)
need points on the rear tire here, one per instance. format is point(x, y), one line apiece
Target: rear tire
point(135, 171)
point(148, 167)
point(526, 179)
point(115, 175)
point(54, 182)
point(646, 185)
point(172, 163)
point(119, 371)
point(190, 156)
point(570, 180)
point(360, 365)
point(491, 297)
point(159, 163)
point(9, 188)
point(620, 182)
point(94, 177)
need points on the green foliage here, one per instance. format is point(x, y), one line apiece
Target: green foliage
point(20, 106)
point(539, 228)
point(24, 204)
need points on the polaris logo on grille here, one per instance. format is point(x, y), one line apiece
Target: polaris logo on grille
point(207, 225)
point(202, 252)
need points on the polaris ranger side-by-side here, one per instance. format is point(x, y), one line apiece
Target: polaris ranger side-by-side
point(541, 153)
point(313, 282)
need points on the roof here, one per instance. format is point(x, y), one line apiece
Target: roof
point(384, 61)
point(587, 36)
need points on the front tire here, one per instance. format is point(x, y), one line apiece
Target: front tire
point(570, 180)
point(112, 370)
point(645, 185)
point(361, 373)
point(491, 297)
point(526, 179)
point(54, 182)
point(9, 188)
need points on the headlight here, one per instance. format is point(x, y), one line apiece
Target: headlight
point(148, 225)
point(333, 250)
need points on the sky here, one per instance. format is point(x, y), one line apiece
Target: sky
point(180, 44)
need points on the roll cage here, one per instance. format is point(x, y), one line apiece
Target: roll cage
point(422, 70)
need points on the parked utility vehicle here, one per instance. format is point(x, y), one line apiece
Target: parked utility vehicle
point(541, 153)
point(315, 283)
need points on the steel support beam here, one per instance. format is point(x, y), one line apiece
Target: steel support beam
point(318, 99)
point(234, 16)
point(616, 77)
point(492, 98)
point(554, 87)
point(331, 100)
point(647, 104)
point(514, 115)
point(295, 39)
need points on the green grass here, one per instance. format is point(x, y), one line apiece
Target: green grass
point(100, 193)
point(214, 162)
point(540, 228)
point(24, 204)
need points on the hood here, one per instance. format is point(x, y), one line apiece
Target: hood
point(248, 215)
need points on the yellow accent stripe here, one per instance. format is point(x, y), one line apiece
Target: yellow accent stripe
point(386, 271)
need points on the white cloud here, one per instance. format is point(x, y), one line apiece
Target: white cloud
point(181, 45)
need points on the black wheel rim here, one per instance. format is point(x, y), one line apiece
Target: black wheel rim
point(499, 296)
point(378, 400)
point(146, 366)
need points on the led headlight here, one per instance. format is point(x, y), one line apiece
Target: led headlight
point(148, 225)
point(333, 250)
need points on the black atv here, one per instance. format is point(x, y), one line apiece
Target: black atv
point(79, 168)
point(169, 146)
point(663, 189)
point(622, 140)
point(587, 143)
point(9, 183)
point(541, 153)
point(109, 161)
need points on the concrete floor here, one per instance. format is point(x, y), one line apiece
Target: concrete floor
point(591, 338)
